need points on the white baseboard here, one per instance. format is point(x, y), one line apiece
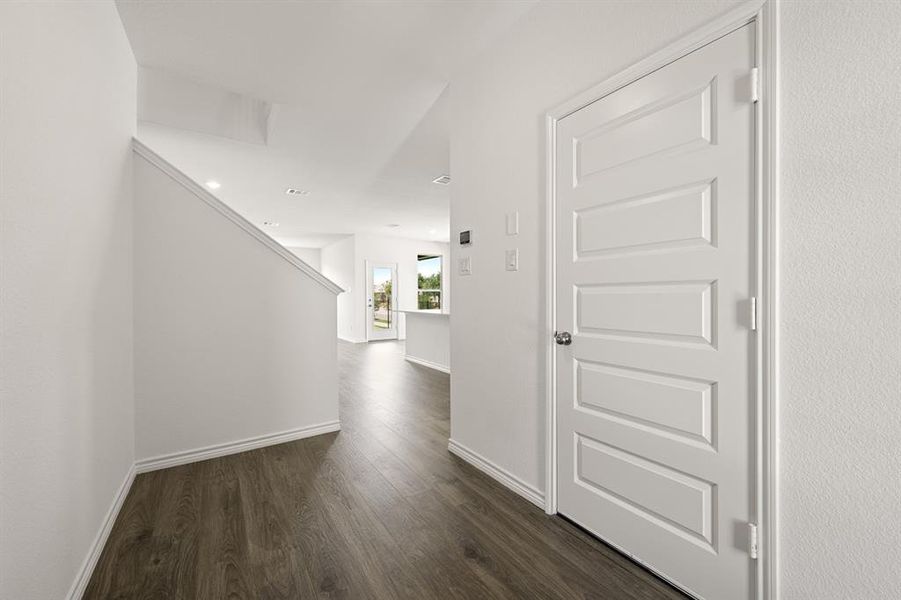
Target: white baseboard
point(87, 567)
point(172, 460)
point(501, 475)
point(189, 456)
point(426, 363)
point(350, 340)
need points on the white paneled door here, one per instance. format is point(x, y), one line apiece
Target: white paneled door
point(655, 277)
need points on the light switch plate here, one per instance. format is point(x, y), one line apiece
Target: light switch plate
point(465, 265)
point(513, 259)
point(513, 223)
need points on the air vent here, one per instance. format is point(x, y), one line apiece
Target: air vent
point(443, 180)
point(296, 192)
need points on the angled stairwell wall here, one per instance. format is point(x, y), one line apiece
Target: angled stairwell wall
point(234, 335)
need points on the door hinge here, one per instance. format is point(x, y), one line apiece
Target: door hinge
point(753, 541)
point(755, 85)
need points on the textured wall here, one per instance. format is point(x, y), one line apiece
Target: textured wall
point(67, 114)
point(841, 300)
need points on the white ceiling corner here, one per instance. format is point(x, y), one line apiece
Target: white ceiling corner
point(346, 99)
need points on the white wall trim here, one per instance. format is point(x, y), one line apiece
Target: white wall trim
point(497, 473)
point(768, 198)
point(195, 188)
point(741, 15)
point(90, 561)
point(428, 363)
point(766, 14)
point(190, 456)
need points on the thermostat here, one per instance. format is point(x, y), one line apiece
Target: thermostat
point(466, 237)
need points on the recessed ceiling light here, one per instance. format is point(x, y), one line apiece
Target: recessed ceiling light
point(442, 180)
point(392, 225)
point(296, 192)
point(213, 185)
point(433, 231)
point(270, 223)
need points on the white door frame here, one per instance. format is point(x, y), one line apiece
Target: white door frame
point(369, 265)
point(765, 14)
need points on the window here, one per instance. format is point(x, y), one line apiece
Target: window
point(428, 271)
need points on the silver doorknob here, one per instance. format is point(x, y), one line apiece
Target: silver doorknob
point(564, 338)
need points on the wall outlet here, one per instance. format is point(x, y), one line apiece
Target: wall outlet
point(465, 265)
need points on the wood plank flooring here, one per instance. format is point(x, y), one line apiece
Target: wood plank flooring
point(380, 510)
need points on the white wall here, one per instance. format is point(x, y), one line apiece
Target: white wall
point(311, 256)
point(403, 252)
point(344, 262)
point(338, 261)
point(428, 338)
point(840, 408)
point(841, 300)
point(173, 100)
point(231, 340)
point(67, 114)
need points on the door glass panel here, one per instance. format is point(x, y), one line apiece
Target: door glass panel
point(381, 298)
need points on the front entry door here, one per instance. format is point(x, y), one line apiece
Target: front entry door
point(655, 274)
point(381, 301)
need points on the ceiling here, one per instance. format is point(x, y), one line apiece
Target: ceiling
point(358, 97)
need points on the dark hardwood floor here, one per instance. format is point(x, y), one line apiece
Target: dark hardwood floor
point(379, 510)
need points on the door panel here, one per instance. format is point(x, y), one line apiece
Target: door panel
point(676, 501)
point(654, 192)
point(670, 122)
point(656, 312)
point(653, 402)
point(662, 220)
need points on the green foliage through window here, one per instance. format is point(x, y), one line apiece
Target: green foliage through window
point(429, 282)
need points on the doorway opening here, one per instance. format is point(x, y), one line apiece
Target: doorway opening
point(381, 302)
